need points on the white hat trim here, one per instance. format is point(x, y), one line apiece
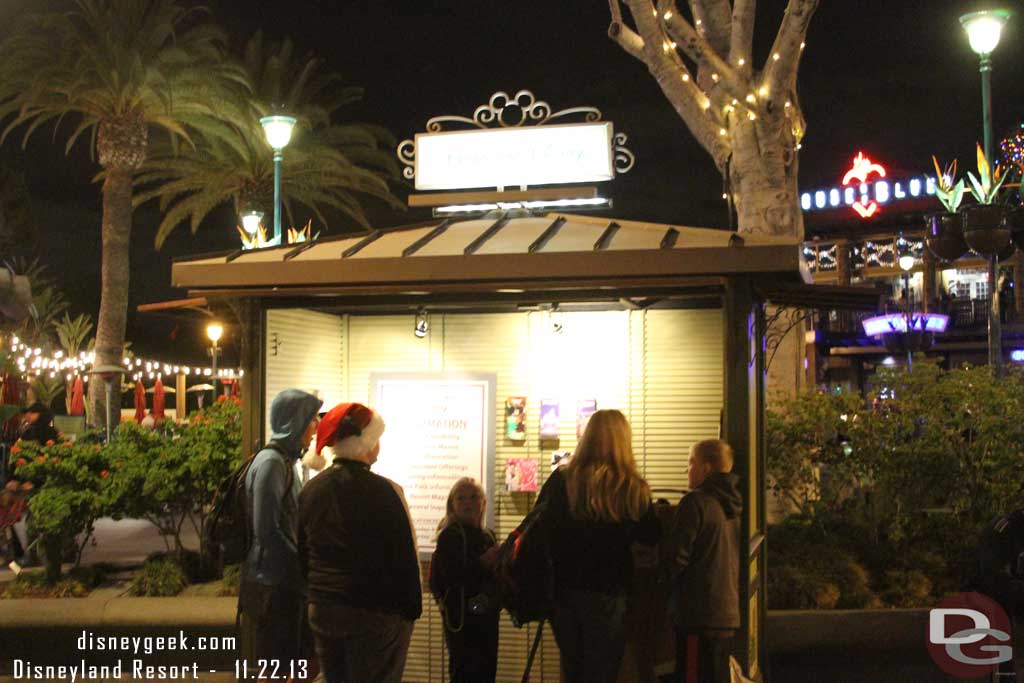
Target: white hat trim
point(353, 447)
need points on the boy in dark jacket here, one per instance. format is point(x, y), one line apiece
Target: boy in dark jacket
point(703, 565)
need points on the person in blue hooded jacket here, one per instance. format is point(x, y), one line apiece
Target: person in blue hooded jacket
point(272, 597)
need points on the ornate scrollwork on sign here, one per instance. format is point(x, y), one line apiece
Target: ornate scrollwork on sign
point(624, 159)
point(504, 111)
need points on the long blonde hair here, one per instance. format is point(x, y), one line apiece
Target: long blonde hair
point(449, 514)
point(601, 478)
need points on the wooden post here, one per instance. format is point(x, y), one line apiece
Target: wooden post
point(179, 397)
point(249, 313)
point(843, 266)
point(743, 428)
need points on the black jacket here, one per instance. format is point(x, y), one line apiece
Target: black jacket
point(456, 561)
point(589, 555)
point(356, 543)
point(704, 556)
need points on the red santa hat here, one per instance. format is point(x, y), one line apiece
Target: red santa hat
point(349, 430)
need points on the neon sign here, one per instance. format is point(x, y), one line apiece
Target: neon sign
point(897, 322)
point(866, 189)
point(861, 171)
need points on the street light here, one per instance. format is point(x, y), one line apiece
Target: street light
point(984, 29)
point(214, 331)
point(278, 130)
point(251, 221)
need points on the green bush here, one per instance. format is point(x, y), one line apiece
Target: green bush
point(231, 580)
point(898, 483)
point(77, 584)
point(158, 579)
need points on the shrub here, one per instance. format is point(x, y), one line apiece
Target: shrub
point(231, 580)
point(158, 579)
point(77, 584)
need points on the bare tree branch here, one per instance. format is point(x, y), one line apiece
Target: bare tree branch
point(627, 38)
point(742, 42)
point(789, 44)
point(698, 49)
point(713, 16)
point(692, 105)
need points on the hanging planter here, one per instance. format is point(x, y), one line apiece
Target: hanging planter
point(1015, 220)
point(945, 235)
point(986, 230)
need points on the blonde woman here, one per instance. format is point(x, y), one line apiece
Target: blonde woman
point(599, 507)
point(461, 581)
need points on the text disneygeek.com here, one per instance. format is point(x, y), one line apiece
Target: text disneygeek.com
point(134, 666)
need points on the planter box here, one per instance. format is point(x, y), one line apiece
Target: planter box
point(851, 646)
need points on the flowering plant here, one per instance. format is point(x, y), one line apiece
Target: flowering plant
point(948, 192)
point(986, 186)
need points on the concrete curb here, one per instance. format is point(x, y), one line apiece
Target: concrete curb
point(117, 612)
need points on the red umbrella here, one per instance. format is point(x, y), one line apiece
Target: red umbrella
point(158, 401)
point(77, 398)
point(140, 401)
point(10, 394)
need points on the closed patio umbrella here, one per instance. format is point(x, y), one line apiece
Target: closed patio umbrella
point(77, 398)
point(158, 401)
point(140, 402)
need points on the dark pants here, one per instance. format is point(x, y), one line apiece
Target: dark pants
point(590, 636)
point(473, 649)
point(703, 657)
point(358, 645)
point(273, 625)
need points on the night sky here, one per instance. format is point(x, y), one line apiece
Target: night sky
point(894, 78)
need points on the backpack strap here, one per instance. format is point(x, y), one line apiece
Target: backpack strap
point(533, 652)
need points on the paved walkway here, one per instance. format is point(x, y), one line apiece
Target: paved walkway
point(124, 543)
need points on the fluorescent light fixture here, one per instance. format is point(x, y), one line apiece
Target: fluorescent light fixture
point(532, 205)
point(511, 157)
point(897, 322)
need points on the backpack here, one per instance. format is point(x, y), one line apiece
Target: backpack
point(524, 572)
point(227, 527)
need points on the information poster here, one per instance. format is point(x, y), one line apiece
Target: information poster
point(440, 428)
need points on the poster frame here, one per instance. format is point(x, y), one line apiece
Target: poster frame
point(490, 381)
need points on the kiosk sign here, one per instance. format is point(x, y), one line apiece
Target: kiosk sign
point(440, 428)
point(508, 157)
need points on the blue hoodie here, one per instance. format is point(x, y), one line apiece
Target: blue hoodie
point(273, 558)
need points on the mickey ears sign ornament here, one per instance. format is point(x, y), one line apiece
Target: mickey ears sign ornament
point(861, 171)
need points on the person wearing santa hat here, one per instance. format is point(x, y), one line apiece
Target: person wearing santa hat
point(357, 545)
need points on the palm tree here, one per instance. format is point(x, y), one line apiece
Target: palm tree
point(326, 167)
point(119, 70)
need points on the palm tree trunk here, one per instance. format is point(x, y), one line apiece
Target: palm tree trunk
point(110, 325)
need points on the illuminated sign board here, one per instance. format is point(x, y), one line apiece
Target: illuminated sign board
point(440, 428)
point(866, 189)
point(897, 322)
point(514, 157)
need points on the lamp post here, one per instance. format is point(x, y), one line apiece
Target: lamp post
point(983, 31)
point(278, 130)
point(214, 331)
point(107, 373)
point(906, 262)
